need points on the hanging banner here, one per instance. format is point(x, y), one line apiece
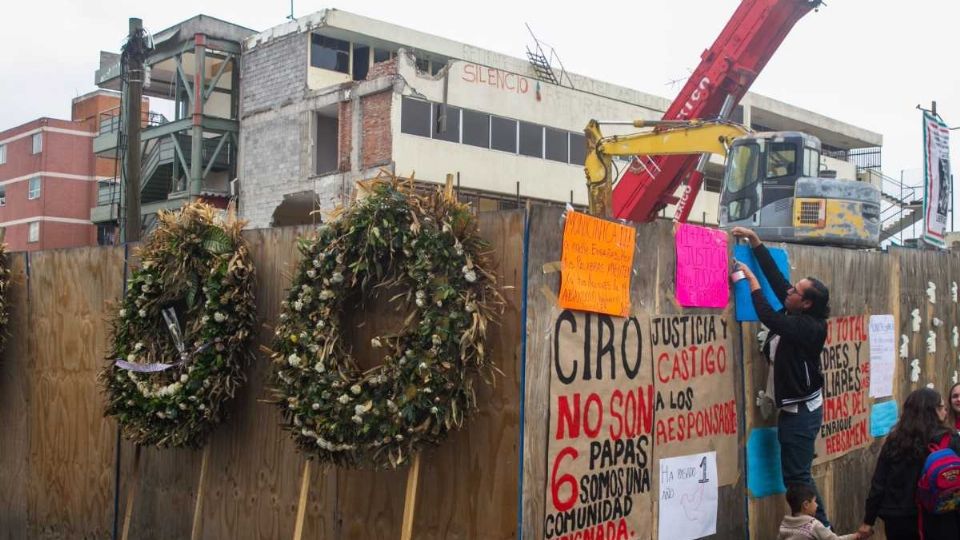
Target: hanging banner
point(845, 362)
point(937, 180)
point(702, 267)
point(599, 443)
point(596, 262)
point(696, 406)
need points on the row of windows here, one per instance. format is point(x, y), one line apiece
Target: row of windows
point(33, 190)
point(338, 55)
point(36, 147)
point(483, 130)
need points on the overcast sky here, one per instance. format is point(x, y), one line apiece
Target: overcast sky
point(865, 62)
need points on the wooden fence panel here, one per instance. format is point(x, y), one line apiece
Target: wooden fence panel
point(70, 483)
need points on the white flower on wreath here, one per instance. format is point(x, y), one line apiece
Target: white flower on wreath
point(131, 358)
point(293, 360)
point(470, 275)
point(205, 319)
point(123, 313)
point(184, 378)
point(376, 343)
point(137, 346)
point(142, 313)
point(319, 367)
point(326, 294)
point(297, 305)
point(357, 419)
point(344, 398)
point(316, 263)
point(219, 317)
point(337, 277)
point(434, 410)
point(356, 389)
point(311, 273)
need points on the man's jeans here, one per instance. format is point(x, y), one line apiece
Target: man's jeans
point(797, 433)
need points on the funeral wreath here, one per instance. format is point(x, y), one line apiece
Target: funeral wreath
point(182, 334)
point(425, 249)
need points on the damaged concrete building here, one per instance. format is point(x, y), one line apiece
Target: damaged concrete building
point(333, 97)
point(287, 120)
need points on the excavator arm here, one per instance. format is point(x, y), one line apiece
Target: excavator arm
point(670, 138)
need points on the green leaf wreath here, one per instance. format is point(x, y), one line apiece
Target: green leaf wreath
point(427, 247)
point(4, 288)
point(182, 335)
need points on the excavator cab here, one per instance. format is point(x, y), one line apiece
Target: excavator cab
point(772, 184)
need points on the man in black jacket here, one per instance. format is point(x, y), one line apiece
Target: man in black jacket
point(796, 338)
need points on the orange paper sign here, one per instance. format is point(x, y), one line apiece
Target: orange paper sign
point(596, 264)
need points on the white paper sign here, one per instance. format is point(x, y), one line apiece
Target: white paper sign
point(882, 336)
point(688, 497)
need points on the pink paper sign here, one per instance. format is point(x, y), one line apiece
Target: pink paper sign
point(702, 279)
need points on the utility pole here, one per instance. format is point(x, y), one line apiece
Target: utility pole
point(132, 57)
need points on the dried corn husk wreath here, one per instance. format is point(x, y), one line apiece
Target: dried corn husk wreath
point(168, 395)
point(428, 247)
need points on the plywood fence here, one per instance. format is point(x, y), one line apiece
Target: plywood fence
point(63, 471)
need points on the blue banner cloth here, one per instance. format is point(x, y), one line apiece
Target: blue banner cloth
point(764, 475)
point(741, 289)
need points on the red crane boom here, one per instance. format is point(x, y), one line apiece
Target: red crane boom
point(726, 71)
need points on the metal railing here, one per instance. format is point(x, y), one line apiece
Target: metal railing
point(109, 120)
point(862, 158)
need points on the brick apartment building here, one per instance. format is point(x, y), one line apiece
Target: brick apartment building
point(49, 178)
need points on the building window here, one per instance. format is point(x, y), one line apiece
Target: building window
point(33, 231)
point(415, 117)
point(382, 55)
point(476, 129)
point(37, 143)
point(531, 140)
point(3, 154)
point(578, 149)
point(503, 134)
point(423, 65)
point(329, 53)
point(361, 62)
point(106, 233)
point(3, 195)
point(328, 141)
point(33, 188)
point(557, 147)
point(449, 129)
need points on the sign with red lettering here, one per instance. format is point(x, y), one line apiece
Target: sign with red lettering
point(702, 269)
point(599, 449)
point(695, 404)
point(845, 362)
point(495, 78)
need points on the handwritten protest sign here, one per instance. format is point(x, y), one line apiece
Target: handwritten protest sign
point(846, 382)
point(696, 407)
point(882, 355)
point(702, 269)
point(596, 262)
point(688, 497)
point(599, 449)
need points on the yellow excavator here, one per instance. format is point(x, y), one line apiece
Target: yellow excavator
point(771, 180)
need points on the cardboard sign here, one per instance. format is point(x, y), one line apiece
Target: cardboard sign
point(596, 263)
point(599, 449)
point(696, 407)
point(845, 362)
point(702, 270)
point(688, 497)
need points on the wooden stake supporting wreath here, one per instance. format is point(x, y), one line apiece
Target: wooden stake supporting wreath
point(392, 238)
point(182, 335)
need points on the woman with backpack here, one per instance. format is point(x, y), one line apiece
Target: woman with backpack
point(893, 490)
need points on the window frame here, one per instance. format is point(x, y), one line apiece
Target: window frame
point(33, 226)
point(516, 128)
point(37, 143)
point(347, 70)
point(30, 188)
point(3, 154)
